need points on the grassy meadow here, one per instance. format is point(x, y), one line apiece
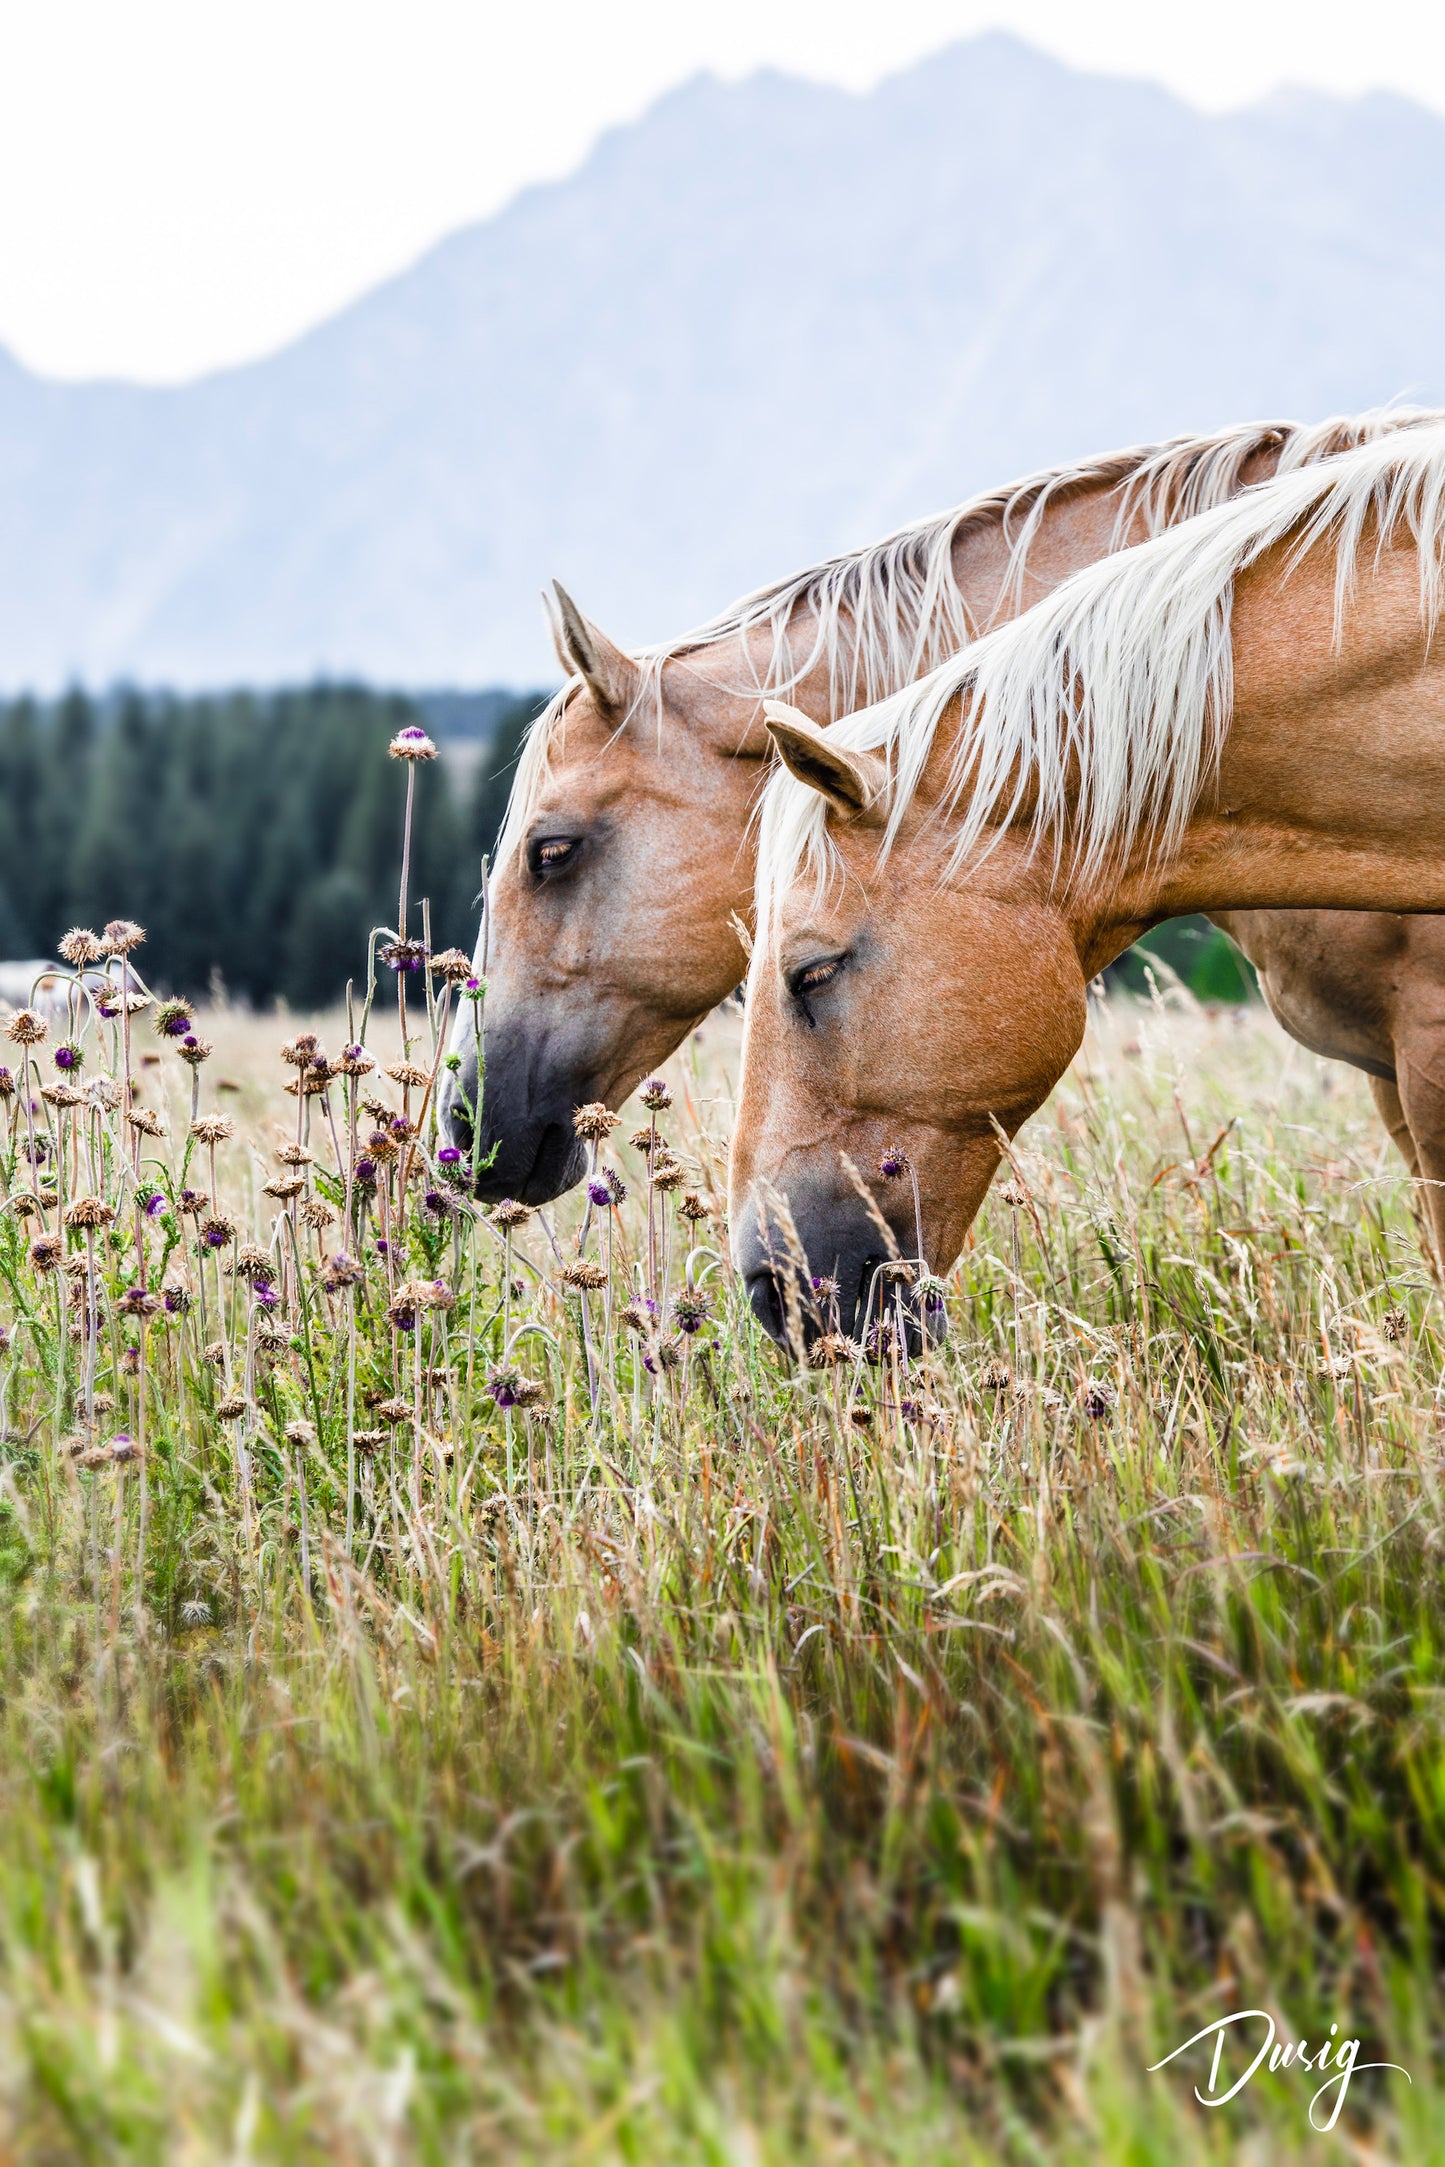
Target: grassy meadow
point(451, 1710)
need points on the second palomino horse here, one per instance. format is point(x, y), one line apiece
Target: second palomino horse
point(627, 855)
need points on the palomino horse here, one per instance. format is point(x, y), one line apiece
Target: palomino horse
point(1246, 712)
point(628, 852)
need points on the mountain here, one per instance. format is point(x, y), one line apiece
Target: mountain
point(764, 322)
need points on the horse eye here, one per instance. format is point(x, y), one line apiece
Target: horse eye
point(551, 854)
point(811, 978)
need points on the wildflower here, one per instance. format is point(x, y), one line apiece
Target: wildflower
point(638, 1316)
point(910, 1409)
point(173, 1019)
point(475, 989)
point(194, 1202)
point(317, 1214)
point(368, 1440)
point(62, 1094)
point(655, 1095)
point(25, 1028)
point(7, 1084)
point(893, 1162)
point(403, 955)
point(45, 1252)
point(213, 1129)
point(594, 1121)
point(449, 1156)
point(301, 1051)
point(381, 1144)
point(402, 1130)
point(217, 1231)
point(599, 1194)
point(668, 1172)
point(584, 1274)
point(215, 1354)
point(408, 1075)
point(643, 1140)
point(1096, 1399)
point(354, 1061)
point(364, 1173)
point(996, 1377)
point(122, 936)
point(693, 1208)
point(285, 1192)
point(88, 1212)
point(301, 1433)
point(177, 1300)
point(437, 1204)
point(264, 1295)
point(231, 1406)
point(660, 1354)
point(617, 1187)
point(79, 946)
point(402, 1312)
point(1395, 1324)
point(691, 1310)
point(123, 1448)
point(253, 1262)
point(412, 744)
point(505, 1386)
point(932, 1293)
point(67, 1056)
point(137, 1301)
point(824, 1288)
point(342, 1271)
point(144, 1122)
point(394, 1410)
point(833, 1349)
point(508, 1214)
point(452, 966)
point(195, 1050)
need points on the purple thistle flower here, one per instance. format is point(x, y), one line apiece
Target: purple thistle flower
point(503, 1384)
point(449, 1156)
point(617, 1186)
point(474, 989)
point(215, 1237)
point(382, 1246)
point(893, 1162)
point(67, 1057)
point(154, 1204)
point(366, 1173)
point(600, 1194)
point(177, 1301)
point(435, 1202)
point(178, 1027)
point(263, 1294)
point(691, 1310)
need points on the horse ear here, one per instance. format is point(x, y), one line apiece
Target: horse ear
point(611, 677)
point(854, 783)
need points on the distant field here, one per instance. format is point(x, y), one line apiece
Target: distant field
point(403, 1758)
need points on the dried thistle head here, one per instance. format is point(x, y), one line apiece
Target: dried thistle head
point(137, 1301)
point(80, 946)
point(594, 1121)
point(638, 1315)
point(893, 1161)
point(1395, 1324)
point(213, 1129)
point(317, 1214)
point(301, 1433)
point(996, 1377)
point(295, 1155)
point(253, 1263)
point(692, 1207)
point(62, 1094)
point(25, 1028)
point(655, 1095)
point(643, 1140)
point(7, 1084)
point(217, 1231)
point(368, 1440)
point(402, 955)
point(46, 1251)
point(284, 1191)
point(668, 1172)
point(144, 1122)
point(584, 1274)
point(412, 743)
point(193, 1051)
point(452, 966)
point(342, 1271)
point(394, 1410)
point(122, 937)
point(408, 1075)
point(354, 1061)
point(231, 1406)
point(26, 1206)
point(508, 1214)
point(833, 1350)
point(89, 1213)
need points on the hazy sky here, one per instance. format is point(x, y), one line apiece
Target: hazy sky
point(186, 183)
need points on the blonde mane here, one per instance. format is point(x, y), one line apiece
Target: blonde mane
point(882, 616)
point(1104, 706)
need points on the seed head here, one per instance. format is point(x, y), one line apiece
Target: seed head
point(655, 1095)
point(403, 955)
point(369, 1440)
point(834, 1349)
point(412, 744)
point(692, 1207)
point(394, 1410)
point(452, 966)
point(824, 1288)
point(217, 1231)
point(215, 1354)
point(354, 1061)
point(1395, 1324)
point(213, 1129)
point(177, 1300)
point(173, 1019)
point(26, 1206)
point(301, 1433)
point(996, 1377)
point(138, 1302)
point(643, 1140)
point(194, 1051)
point(7, 1084)
point(144, 1122)
point(1097, 1399)
point(231, 1406)
point(301, 1051)
point(25, 1028)
point(585, 1274)
point(508, 1214)
point(317, 1214)
point(253, 1262)
point(62, 1094)
point(45, 1252)
point(893, 1162)
point(408, 1075)
point(342, 1271)
point(122, 937)
point(285, 1192)
point(638, 1316)
point(89, 1212)
point(668, 1172)
point(594, 1121)
point(79, 946)
point(691, 1310)
point(1013, 1195)
point(123, 1448)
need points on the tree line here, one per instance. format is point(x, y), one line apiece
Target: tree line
point(255, 836)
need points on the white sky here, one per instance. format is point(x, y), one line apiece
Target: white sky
point(185, 183)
